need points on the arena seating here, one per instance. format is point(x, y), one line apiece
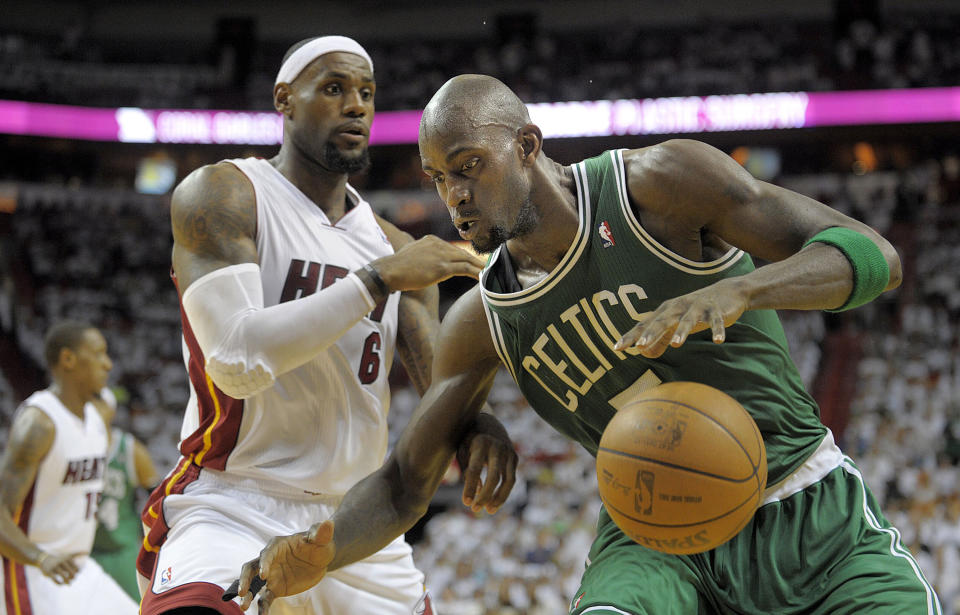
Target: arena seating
point(909, 49)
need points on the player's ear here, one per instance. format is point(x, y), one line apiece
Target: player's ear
point(281, 98)
point(531, 140)
point(67, 359)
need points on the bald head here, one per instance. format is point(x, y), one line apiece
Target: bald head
point(468, 103)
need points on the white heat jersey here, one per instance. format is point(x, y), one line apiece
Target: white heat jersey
point(59, 512)
point(323, 426)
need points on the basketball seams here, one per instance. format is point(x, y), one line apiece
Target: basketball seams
point(754, 465)
point(673, 466)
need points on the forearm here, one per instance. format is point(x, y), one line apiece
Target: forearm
point(388, 502)
point(839, 268)
point(309, 328)
point(417, 332)
point(15, 545)
point(246, 345)
point(819, 277)
point(377, 510)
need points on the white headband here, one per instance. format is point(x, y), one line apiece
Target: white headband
point(299, 59)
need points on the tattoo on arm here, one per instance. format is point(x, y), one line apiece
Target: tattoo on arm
point(418, 325)
point(30, 440)
point(213, 215)
point(419, 321)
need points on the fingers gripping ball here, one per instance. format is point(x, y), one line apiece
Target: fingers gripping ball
point(681, 468)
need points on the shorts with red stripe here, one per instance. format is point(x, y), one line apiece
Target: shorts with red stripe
point(208, 524)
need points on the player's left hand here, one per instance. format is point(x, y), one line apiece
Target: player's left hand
point(487, 446)
point(713, 307)
point(288, 565)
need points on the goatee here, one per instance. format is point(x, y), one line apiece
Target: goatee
point(336, 161)
point(524, 224)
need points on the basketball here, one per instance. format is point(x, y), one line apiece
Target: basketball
point(681, 468)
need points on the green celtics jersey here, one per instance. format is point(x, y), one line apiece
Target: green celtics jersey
point(117, 528)
point(119, 532)
point(556, 338)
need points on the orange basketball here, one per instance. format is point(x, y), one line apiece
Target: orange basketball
point(681, 468)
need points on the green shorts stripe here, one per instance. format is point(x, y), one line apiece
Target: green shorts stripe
point(597, 610)
point(896, 545)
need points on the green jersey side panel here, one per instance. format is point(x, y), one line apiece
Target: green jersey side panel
point(119, 530)
point(557, 336)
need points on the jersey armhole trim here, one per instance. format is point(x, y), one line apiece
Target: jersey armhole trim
point(673, 259)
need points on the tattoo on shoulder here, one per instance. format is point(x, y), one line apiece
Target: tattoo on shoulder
point(30, 439)
point(211, 215)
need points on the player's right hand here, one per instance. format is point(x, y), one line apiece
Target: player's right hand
point(60, 568)
point(487, 447)
point(425, 262)
point(288, 565)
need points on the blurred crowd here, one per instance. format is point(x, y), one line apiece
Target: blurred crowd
point(905, 418)
point(896, 50)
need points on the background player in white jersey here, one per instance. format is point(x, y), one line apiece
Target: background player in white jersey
point(288, 286)
point(51, 478)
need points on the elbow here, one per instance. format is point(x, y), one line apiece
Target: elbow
point(889, 254)
point(894, 264)
point(238, 381)
point(416, 497)
point(416, 486)
point(412, 508)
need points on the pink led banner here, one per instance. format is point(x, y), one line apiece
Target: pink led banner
point(677, 115)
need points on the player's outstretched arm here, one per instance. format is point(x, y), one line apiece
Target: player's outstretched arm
point(245, 345)
point(486, 445)
point(388, 502)
point(696, 194)
point(31, 437)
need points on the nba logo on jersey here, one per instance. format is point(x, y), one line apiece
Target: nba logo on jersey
point(577, 602)
point(606, 237)
point(166, 576)
point(423, 607)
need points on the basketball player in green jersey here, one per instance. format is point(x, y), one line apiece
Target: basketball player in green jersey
point(608, 277)
point(119, 530)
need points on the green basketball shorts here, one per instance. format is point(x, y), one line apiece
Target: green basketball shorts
point(823, 549)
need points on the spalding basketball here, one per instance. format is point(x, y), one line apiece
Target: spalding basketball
point(681, 468)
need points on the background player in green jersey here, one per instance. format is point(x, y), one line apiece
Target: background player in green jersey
point(119, 530)
point(610, 276)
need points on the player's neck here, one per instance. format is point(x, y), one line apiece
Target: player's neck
point(328, 190)
point(70, 397)
point(558, 220)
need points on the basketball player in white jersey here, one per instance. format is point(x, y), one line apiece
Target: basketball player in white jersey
point(291, 315)
point(51, 478)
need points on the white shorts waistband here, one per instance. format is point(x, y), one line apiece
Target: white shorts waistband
point(821, 462)
point(254, 485)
